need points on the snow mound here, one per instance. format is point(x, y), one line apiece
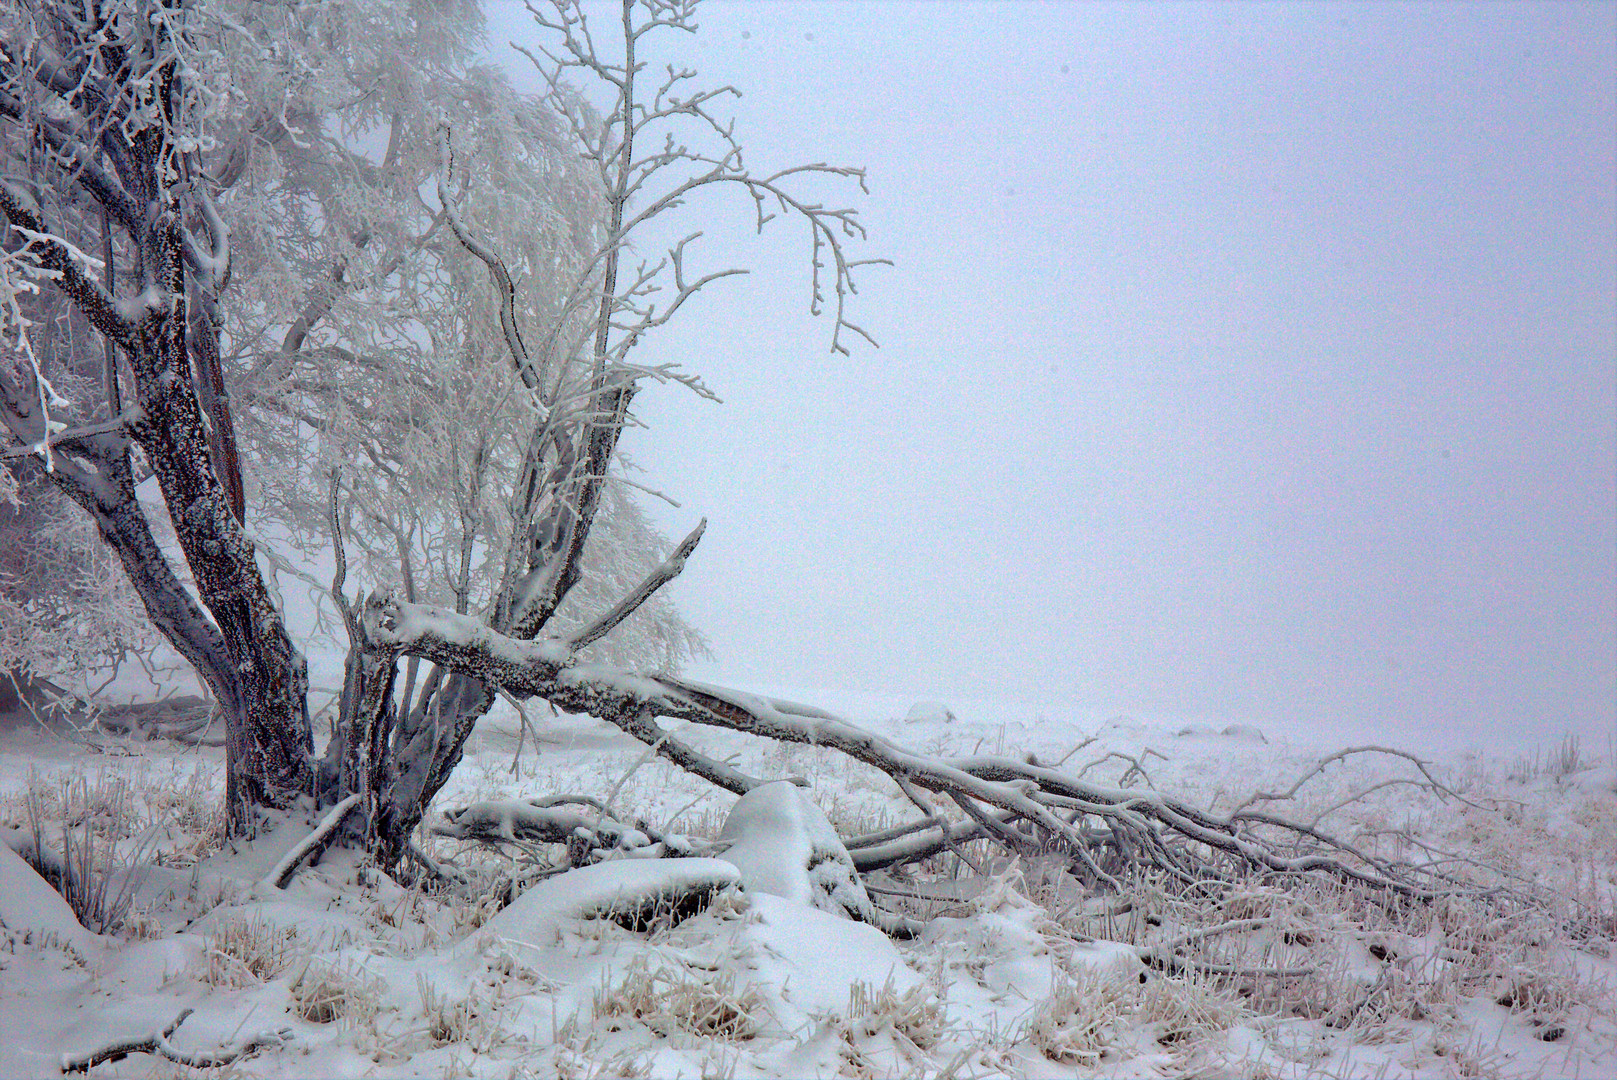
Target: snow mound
point(812, 958)
point(631, 892)
point(30, 910)
point(1245, 733)
point(1597, 781)
point(930, 712)
point(784, 845)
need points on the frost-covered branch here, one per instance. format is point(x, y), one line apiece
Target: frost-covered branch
point(504, 287)
point(159, 1044)
point(63, 262)
point(665, 572)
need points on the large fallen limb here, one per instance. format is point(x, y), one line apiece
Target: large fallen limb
point(1092, 823)
point(541, 821)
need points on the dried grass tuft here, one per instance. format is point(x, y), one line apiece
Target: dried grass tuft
point(1187, 1008)
point(323, 993)
point(246, 952)
point(918, 1013)
point(475, 1019)
point(1077, 1023)
point(668, 999)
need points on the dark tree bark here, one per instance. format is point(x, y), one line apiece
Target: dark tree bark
point(121, 79)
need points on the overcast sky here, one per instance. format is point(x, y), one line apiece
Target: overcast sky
point(1239, 361)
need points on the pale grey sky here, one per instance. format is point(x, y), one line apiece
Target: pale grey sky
point(1241, 361)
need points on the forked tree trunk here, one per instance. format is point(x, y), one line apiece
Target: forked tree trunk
point(399, 759)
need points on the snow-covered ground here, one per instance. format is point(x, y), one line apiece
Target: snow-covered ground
point(1015, 973)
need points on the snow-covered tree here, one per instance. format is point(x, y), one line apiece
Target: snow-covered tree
point(136, 131)
point(339, 274)
point(195, 180)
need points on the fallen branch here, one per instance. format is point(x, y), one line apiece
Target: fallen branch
point(282, 871)
point(158, 1044)
point(1018, 804)
point(527, 823)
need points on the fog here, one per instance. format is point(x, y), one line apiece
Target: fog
point(1241, 362)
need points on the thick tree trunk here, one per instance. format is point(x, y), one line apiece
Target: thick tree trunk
point(246, 655)
point(270, 744)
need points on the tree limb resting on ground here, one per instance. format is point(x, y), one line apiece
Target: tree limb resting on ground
point(1020, 805)
point(158, 1044)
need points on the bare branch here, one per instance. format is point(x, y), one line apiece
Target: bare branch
point(665, 572)
point(158, 1044)
point(496, 266)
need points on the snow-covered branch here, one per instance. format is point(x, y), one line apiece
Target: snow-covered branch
point(665, 572)
point(1021, 806)
point(159, 1044)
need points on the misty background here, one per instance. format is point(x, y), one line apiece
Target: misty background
point(1241, 362)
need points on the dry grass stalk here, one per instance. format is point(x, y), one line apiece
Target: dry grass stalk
point(668, 999)
point(246, 952)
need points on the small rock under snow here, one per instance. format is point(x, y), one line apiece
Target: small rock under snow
point(784, 845)
point(930, 712)
point(1596, 781)
point(1246, 733)
point(1243, 732)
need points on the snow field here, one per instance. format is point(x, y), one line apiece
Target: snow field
point(1017, 973)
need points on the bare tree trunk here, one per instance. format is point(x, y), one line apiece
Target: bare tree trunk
point(269, 741)
point(132, 94)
